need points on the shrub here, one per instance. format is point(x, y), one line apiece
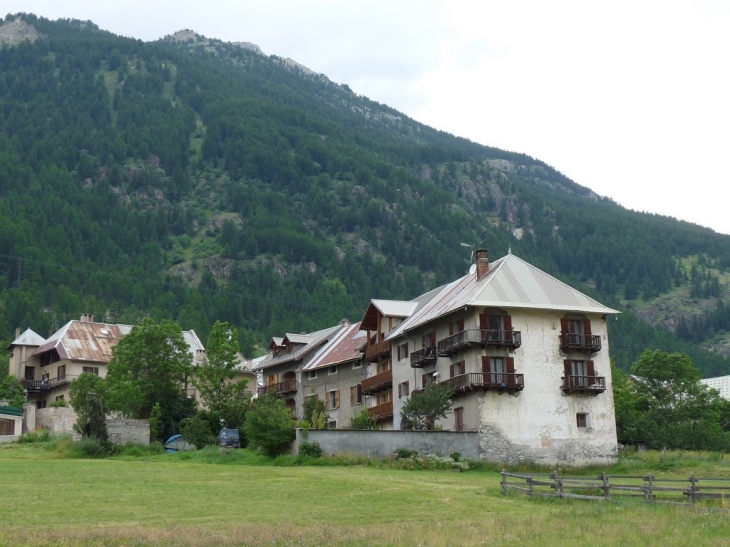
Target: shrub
point(94, 447)
point(59, 404)
point(38, 436)
point(363, 420)
point(404, 453)
point(310, 450)
point(196, 430)
point(269, 427)
point(431, 461)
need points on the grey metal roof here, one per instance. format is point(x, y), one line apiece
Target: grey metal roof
point(342, 347)
point(298, 338)
point(317, 339)
point(395, 308)
point(28, 338)
point(510, 283)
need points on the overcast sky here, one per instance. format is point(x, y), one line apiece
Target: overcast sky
point(629, 98)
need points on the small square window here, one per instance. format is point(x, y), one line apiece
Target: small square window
point(581, 419)
point(332, 370)
point(332, 424)
point(312, 375)
point(357, 364)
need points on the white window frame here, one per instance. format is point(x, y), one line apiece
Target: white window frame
point(330, 371)
point(312, 375)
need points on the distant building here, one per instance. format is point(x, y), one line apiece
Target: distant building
point(720, 383)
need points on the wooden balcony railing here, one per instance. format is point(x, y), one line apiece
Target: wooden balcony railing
point(38, 386)
point(485, 381)
point(588, 384)
point(580, 342)
point(483, 337)
point(377, 351)
point(382, 412)
point(424, 356)
point(284, 388)
point(376, 383)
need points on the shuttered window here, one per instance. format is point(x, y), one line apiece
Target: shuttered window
point(356, 394)
point(334, 399)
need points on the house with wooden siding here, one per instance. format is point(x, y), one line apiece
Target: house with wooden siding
point(526, 355)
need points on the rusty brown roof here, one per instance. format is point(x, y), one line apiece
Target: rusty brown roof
point(85, 341)
point(345, 346)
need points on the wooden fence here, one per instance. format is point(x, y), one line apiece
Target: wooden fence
point(604, 487)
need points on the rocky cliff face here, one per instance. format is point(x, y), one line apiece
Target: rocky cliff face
point(17, 31)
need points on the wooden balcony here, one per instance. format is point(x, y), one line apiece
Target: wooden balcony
point(40, 386)
point(510, 339)
point(377, 352)
point(585, 384)
point(484, 381)
point(379, 382)
point(424, 356)
point(382, 412)
point(283, 388)
point(588, 343)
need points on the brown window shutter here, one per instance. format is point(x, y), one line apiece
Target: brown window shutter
point(510, 365)
point(566, 367)
point(483, 321)
point(399, 353)
point(486, 364)
point(423, 341)
point(400, 392)
point(591, 369)
point(352, 395)
point(507, 322)
point(337, 398)
point(433, 339)
point(564, 326)
point(460, 325)
point(451, 370)
point(587, 327)
point(408, 391)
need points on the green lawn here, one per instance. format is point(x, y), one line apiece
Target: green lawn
point(164, 500)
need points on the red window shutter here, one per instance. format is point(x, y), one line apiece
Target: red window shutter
point(564, 326)
point(510, 365)
point(433, 339)
point(567, 367)
point(408, 390)
point(451, 329)
point(587, 327)
point(507, 322)
point(399, 353)
point(591, 369)
point(486, 364)
point(451, 370)
point(483, 321)
point(461, 325)
point(400, 394)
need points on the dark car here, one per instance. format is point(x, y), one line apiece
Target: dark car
point(229, 437)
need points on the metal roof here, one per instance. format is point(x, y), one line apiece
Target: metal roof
point(395, 308)
point(344, 346)
point(298, 338)
point(93, 342)
point(317, 339)
point(28, 338)
point(510, 283)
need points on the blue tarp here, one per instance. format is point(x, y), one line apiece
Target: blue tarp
point(177, 444)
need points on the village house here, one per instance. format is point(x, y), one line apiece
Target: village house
point(46, 367)
point(526, 355)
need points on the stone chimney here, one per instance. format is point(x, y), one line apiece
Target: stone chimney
point(482, 261)
point(87, 318)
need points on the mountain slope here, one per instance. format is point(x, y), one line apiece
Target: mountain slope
point(199, 180)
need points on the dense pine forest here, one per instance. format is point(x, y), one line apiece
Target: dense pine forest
point(199, 180)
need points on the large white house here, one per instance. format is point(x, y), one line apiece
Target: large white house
point(526, 355)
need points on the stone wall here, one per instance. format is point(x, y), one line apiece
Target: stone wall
point(381, 443)
point(57, 420)
point(122, 431)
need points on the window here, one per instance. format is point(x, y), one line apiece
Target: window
point(59, 398)
point(581, 419)
point(312, 375)
point(41, 404)
point(7, 427)
point(332, 370)
point(92, 370)
point(383, 367)
point(499, 370)
point(272, 379)
point(356, 395)
point(30, 373)
point(61, 374)
point(333, 399)
point(403, 351)
point(427, 379)
point(332, 424)
point(459, 419)
point(428, 340)
point(457, 369)
point(385, 397)
point(403, 390)
point(357, 364)
point(456, 327)
point(578, 372)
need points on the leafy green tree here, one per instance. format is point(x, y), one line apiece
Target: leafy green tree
point(196, 430)
point(423, 408)
point(269, 426)
point(88, 394)
point(11, 390)
point(215, 377)
point(363, 420)
point(150, 366)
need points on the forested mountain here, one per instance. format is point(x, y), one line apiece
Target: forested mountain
point(199, 180)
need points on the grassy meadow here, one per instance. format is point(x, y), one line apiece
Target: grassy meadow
point(237, 498)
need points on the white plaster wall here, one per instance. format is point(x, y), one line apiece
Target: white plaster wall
point(347, 376)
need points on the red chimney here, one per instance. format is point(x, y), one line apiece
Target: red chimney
point(482, 259)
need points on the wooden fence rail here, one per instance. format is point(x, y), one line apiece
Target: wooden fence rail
point(604, 487)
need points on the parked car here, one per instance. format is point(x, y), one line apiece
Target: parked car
point(229, 437)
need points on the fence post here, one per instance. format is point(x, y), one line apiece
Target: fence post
point(558, 484)
point(606, 487)
point(649, 488)
point(504, 482)
point(693, 488)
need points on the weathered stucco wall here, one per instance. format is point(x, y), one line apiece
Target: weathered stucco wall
point(381, 443)
point(57, 420)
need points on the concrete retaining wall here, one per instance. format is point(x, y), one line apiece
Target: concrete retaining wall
point(381, 444)
point(122, 431)
point(57, 420)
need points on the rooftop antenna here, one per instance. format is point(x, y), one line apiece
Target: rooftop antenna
point(472, 248)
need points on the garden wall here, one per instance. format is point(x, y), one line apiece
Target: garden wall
point(121, 431)
point(381, 444)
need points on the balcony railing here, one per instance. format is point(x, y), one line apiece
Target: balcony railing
point(483, 337)
point(382, 412)
point(284, 388)
point(422, 357)
point(588, 384)
point(580, 342)
point(376, 383)
point(377, 351)
point(486, 380)
point(39, 386)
